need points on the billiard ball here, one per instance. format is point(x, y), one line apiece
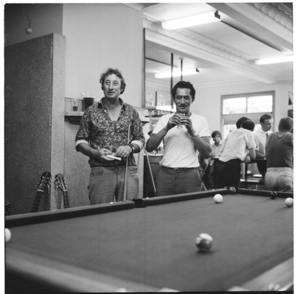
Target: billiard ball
point(7, 235)
point(218, 198)
point(289, 202)
point(232, 190)
point(204, 242)
point(273, 195)
point(111, 203)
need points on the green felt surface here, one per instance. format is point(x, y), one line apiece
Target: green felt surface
point(155, 245)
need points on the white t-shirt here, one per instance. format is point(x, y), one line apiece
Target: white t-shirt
point(179, 148)
point(237, 145)
point(260, 137)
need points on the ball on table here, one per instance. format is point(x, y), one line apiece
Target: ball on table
point(204, 242)
point(289, 202)
point(218, 198)
point(232, 190)
point(7, 235)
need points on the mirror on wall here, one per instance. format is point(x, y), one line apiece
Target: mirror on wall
point(163, 70)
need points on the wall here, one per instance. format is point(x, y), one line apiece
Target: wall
point(208, 97)
point(45, 19)
point(31, 69)
point(99, 36)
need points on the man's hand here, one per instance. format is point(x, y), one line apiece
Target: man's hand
point(247, 158)
point(102, 154)
point(174, 120)
point(123, 151)
point(186, 121)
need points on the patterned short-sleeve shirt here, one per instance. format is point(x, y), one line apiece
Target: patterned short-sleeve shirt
point(97, 129)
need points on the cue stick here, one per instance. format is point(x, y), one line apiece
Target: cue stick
point(126, 169)
point(151, 174)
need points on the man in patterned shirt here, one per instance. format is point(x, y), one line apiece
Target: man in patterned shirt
point(111, 127)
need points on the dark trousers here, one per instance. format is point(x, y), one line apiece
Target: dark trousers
point(262, 167)
point(177, 181)
point(228, 174)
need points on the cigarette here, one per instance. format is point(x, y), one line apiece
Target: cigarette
point(114, 157)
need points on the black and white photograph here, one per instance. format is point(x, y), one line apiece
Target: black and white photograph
point(148, 147)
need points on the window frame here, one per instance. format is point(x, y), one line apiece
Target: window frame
point(227, 119)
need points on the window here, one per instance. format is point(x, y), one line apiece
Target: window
point(252, 105)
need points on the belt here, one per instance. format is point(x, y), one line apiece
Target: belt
point(179, 169)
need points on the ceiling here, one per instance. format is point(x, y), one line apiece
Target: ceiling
point(225, 52)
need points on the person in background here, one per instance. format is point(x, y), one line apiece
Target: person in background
point(111, 127)
point(203, 166)
point(214, 158)
point(239, 147)
point(184, 135)
point(260, 137)
point(240, 121)
point(238, 124)
point(279, 154)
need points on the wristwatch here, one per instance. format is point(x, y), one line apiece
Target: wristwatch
point(132, 147)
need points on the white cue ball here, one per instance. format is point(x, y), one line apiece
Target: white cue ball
point(218, 198)
point(111, 203)
point(204, 242)
point(7, 235)
point(289, 202)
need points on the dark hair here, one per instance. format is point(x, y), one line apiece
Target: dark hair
point(216, 133)
point(184, 85)
point(286, 124)
point(264, 117)
point(240, 121)
point(113, 71)
point(248, 125)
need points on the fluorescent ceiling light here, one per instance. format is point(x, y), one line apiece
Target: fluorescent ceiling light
point(190, 21)
point(177, 73)
point(274, 60)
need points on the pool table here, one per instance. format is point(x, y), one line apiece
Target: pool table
point(149, 245)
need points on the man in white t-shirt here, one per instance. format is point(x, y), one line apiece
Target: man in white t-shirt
point(184, 136)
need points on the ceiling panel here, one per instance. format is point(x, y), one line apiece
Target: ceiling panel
point(236, 39)
point(224, 50)
point(163, 55)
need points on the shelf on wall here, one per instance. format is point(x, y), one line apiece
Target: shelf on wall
point(75, 116)
point(73, 113)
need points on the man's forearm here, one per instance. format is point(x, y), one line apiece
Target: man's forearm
point(202, 145)
point(252, 153)
point(260, 154)
point(155, 140)
point(86, 149)
point(136, 148)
